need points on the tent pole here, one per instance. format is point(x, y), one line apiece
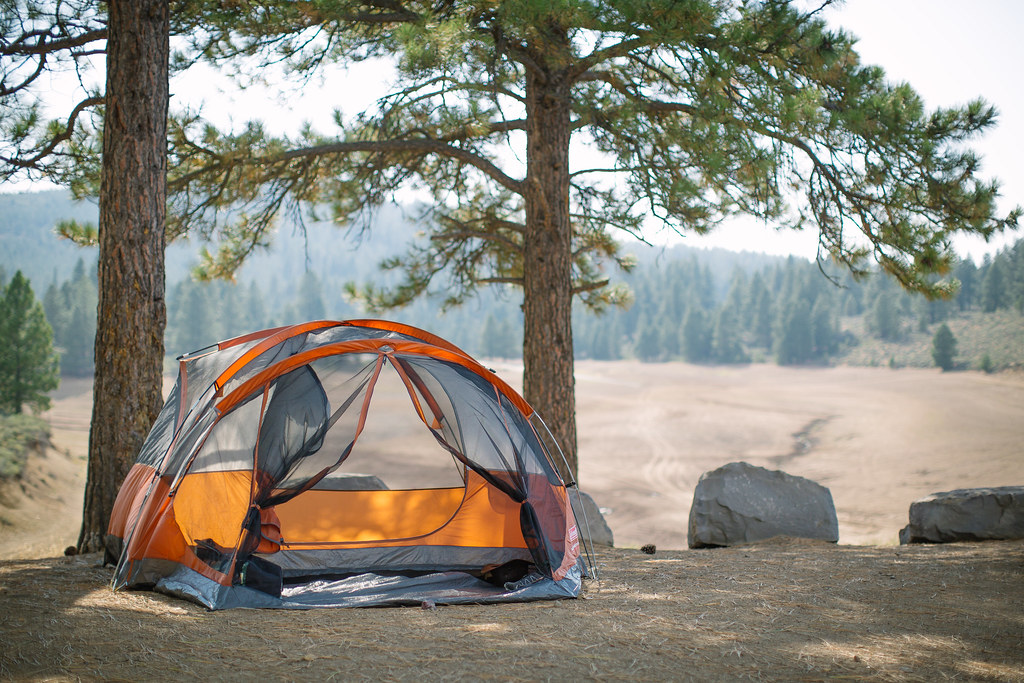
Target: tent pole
point(588, 546)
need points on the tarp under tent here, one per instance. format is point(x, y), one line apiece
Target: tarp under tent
point(237, 497)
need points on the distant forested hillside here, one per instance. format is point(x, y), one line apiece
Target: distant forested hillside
point(787, 311)
point(27, 239)
point(703, 306)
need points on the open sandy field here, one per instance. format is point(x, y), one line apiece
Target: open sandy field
point(877, 438)
point(865, 609)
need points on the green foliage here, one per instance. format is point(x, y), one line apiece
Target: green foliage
point(993, 288)
point(794, 340)
point(697, 340)
point(727, 338)
point(985, 364)
point(663, 289)
point(39, 39)
point(648, 342)
point(885, 318)
point(71, 312)
point(500, 338)
point(29, 367)
point(702, 110)
point(944, 348)
point(203, 313)
point(19, 434)
point(28, 241)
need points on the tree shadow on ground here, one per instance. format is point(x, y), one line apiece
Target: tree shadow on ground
point(778, 610)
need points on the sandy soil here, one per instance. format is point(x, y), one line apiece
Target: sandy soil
point(865, 609)
point(785, 611)
point(41, 514)
point(877, 438)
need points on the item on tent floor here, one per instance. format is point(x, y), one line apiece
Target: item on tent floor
point(229, 503)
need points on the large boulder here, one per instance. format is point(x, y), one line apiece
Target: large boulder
point(982, 514)
point(589, 517)
point(742, 503)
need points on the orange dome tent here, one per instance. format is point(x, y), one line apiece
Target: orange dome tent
point(234, 499)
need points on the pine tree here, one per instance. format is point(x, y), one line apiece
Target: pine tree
point(71, 310)
point(726, 344)
point(993, 286)
point(824, 329)
point(605, 338)
point(944, 348)
point(132, 314)
point(310, 298)
point(646, 345)
point(29, 366)
point(1015, 267)
point(794, 337)
point(696, 332)
point(37, 39)
point(256, 315)
point(491, 341)
point(966, 273)
point(702, 109)
point(885, 317)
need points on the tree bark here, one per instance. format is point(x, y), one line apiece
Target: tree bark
point(548, 383)
point(132, 315)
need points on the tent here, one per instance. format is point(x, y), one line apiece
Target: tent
point(238, 497)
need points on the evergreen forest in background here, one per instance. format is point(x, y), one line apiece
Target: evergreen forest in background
point(697, 305)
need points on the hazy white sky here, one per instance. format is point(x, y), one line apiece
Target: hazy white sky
point(950, 51)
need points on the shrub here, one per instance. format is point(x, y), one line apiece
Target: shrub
point(18, 435)
point(985, 365)
point(944, 347)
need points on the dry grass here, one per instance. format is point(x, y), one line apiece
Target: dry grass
point(999, 335)
point(779, 610)
point(783, 610)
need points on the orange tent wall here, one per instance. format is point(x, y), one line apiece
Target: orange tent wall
point(212, 505)
point(475, 516)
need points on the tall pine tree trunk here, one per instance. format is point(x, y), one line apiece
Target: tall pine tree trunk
point(548, 383)
point(132, 315)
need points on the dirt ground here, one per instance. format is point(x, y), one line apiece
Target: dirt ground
point(865, 609)
point(877, 438)
point(778, 611)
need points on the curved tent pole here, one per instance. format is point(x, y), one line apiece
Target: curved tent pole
point(588, 545)
point(413, 384)
point(409, 331)
point(268, 342)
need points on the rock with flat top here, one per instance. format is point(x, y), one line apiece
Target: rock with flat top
point(981, 514)
point(589, 517)
point(743, 503)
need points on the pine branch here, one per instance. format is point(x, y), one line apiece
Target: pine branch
point(20, 48)
point(602, 55)
point(4, 91)
point(584, 287)
point(69, 129)
point(465, 232)
point(422, 146)
point(455, 86)
point(518, 281)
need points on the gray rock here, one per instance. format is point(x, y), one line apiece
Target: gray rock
point(348, 481)
point(982, 514)
point(742, 503)
point(588, 516)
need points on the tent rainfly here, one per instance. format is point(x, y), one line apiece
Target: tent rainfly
point(234, 499)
